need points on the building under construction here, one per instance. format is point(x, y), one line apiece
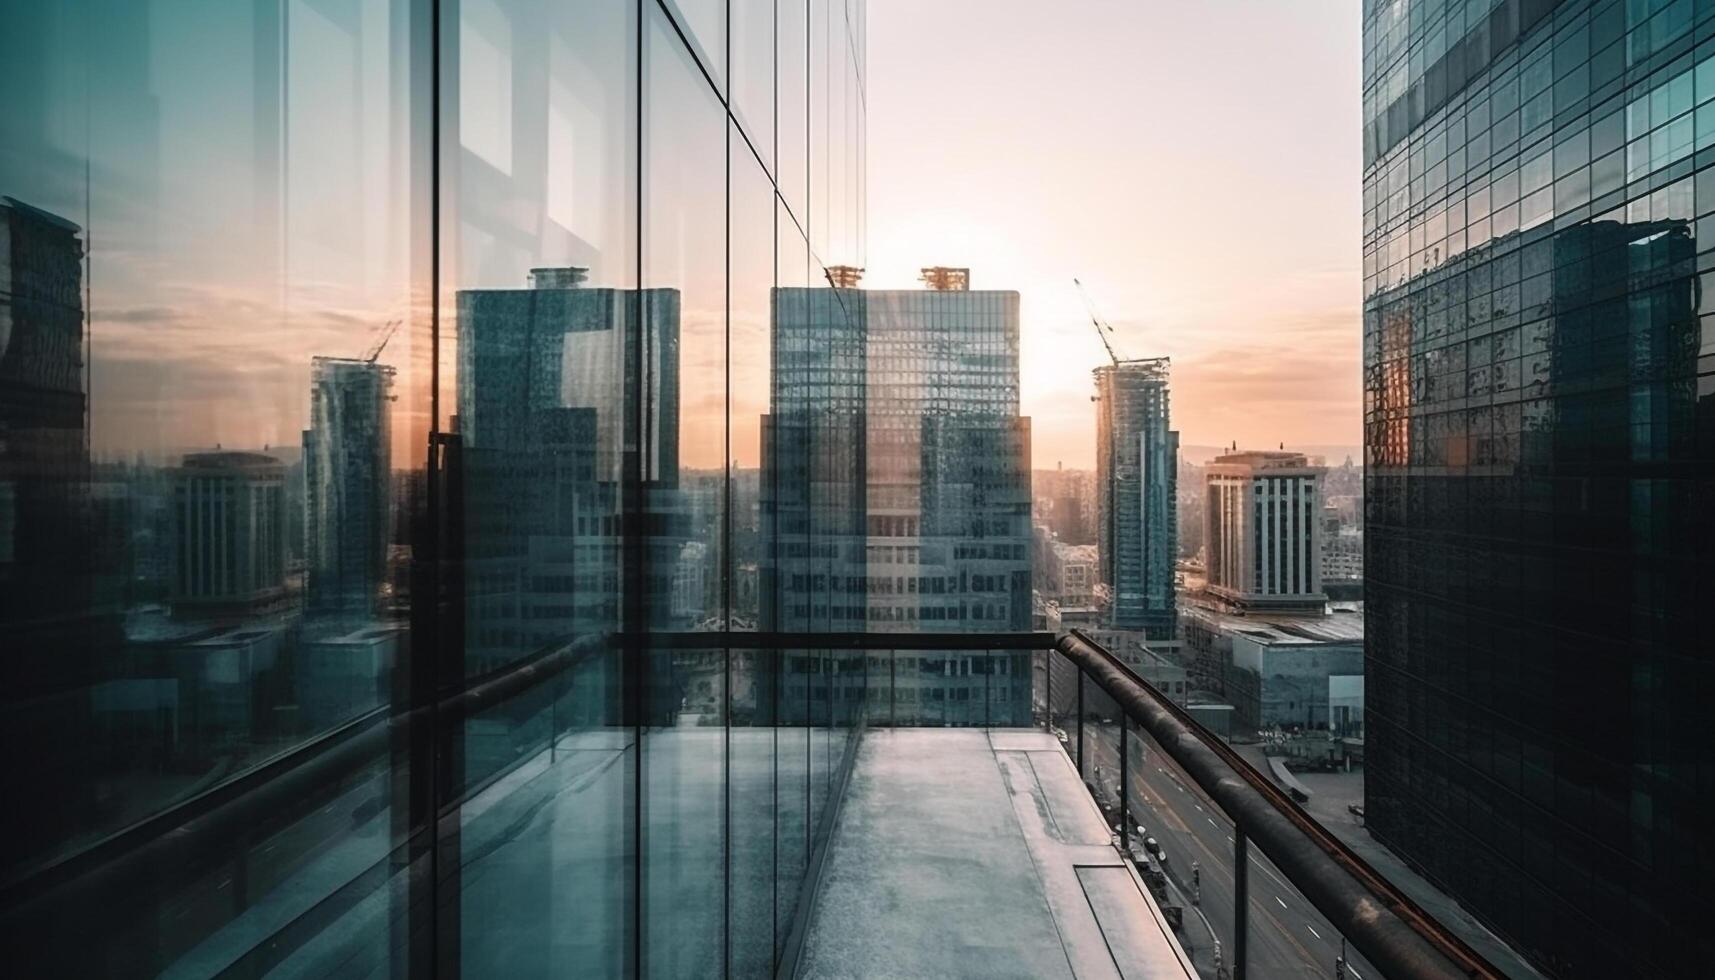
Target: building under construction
point(1137, 478)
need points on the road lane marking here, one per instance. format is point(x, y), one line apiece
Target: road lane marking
point(1199, 807)
point(1282, 904)
point(1229, 838)
point(1353, 970)
point(1213, 824)
point(1313, 931)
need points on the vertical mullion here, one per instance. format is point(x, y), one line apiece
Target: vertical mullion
point(726, 529)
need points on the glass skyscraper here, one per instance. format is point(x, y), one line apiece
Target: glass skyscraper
point(1137, 485)
point(896, 485)
point(329, 651)
point(1539, 385)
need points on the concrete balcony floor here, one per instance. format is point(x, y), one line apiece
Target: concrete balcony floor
point(964, 853)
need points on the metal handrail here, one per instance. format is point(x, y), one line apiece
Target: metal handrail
point(1386, 926)
point(1392, 931)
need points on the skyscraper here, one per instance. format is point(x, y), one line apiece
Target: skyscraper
point(1137, 479)
point(347, 484)
point(229, 549)
point(1262, 526)
point(551, 378)
point(1540, 441)
point(44, 447)
point(896, 483)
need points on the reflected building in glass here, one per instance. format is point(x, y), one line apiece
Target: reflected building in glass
point(229, 535)
point(1539, 384)
point(348, 486)
point(896, 489)
point(552, 379)
point(1137, 485)
point(433, 733)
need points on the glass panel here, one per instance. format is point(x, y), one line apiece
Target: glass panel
point(704, 23)
point(750, 236)
point(754, 49)
point(542, 359)
point(206, 224)
point(792, 34)
point(783, 486)
point(824, 60)
point(820, 679)
point(792, 780)
point(682, 443)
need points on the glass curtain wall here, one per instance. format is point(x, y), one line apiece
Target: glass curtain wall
point(381, 381)
point(1539, 357)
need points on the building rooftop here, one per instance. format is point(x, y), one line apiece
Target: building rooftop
point(1344, 623)
point(964, 853)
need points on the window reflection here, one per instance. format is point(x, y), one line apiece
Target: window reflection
point(344, 474)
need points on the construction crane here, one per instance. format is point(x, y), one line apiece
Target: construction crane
point(1102, 327)
point(382, 336)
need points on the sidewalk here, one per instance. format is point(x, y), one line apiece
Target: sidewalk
point(1330, 794)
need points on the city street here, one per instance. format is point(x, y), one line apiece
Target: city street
point(1288, 937)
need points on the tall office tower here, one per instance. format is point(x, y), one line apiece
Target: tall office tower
point(813, 573)
point(896, 483)
point(568, 402)
point(347, 484)
point(229, 541)
point(44, 448)
point(56, 634)
point(1137, 481)
point(1262, 525)
point(1540, 442)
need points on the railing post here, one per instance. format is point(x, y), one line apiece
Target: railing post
point(1241, 900)
point(1080, 723)
point(1125, 816)
point(1048, 688)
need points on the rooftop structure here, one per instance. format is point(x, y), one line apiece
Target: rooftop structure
point(943, 278)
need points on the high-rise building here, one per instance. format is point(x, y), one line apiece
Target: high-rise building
point(229, 545)
point(551, 377)
point(896, 484)
point(897, 411)
point(1540, 443)
point(1262, 526)
point(347, 484)
point(1137, 466)
point(44, 446)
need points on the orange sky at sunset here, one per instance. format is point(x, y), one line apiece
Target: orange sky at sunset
point(1196, 165)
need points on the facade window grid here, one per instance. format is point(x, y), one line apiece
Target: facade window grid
point(1532, 372)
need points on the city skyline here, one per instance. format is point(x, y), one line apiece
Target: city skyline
point(747, 488)
point(1256, 373)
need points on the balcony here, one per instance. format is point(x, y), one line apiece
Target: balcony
point(807, 805)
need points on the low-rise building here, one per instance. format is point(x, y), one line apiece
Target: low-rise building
point(1275, 667)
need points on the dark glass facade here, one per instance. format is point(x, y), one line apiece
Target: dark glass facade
point(356, 355)
point(1539, 384)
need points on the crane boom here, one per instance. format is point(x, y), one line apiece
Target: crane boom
point(383, 335)
point(1102, 328)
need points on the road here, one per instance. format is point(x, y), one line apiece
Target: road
point(1288, 937)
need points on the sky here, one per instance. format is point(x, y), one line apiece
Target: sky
point(1197, 165)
